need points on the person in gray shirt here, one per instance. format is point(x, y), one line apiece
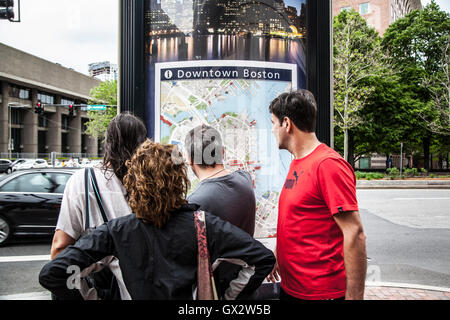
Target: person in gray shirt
point(228, 195)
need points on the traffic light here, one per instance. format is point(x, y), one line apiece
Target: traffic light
point(71, 110)
point(7, 9)
point(38, 108)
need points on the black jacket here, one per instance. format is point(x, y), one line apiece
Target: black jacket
point(162, 263)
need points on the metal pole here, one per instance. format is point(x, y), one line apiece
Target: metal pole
point(10, 131)
point(401, 158)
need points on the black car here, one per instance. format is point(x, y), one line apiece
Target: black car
point(4, 165)
point(30, 201)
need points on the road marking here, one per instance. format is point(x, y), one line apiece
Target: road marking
point(421, 199)
point(25, 258)
point(43, 295)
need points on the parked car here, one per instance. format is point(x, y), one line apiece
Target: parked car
point(31, 164)
point(4, 165)
point(17, 161)
point(30, 201)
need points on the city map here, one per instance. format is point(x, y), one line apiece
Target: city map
point(238, 109)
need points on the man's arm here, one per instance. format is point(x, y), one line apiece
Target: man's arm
point(274, 275)
point(61, 274)
point(355, 257)
point(61, 240)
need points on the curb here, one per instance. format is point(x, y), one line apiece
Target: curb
point(403, 187)
point(403, 184)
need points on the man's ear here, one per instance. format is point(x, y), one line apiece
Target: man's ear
point(287, 124)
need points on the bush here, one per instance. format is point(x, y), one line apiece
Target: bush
point(368, 175)
point(432, 175)
point(393, 172)
point(411, 172)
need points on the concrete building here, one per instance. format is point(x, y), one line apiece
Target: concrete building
point(104, 71)
point(378, 13)
point(26, 79)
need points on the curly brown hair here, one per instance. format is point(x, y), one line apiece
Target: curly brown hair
point(156, 182)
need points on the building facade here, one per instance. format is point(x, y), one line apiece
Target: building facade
point(26, 80)
point(104, 71)
point(378, 13)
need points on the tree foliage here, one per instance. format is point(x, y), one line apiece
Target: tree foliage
point(105, 93)
point(418, 47)
point(357, 57)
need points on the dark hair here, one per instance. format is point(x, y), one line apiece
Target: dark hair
point(204, 146)
point(299, 106)
point(156, 184)
point(124, 134)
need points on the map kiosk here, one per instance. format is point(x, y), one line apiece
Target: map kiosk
point(221, 62)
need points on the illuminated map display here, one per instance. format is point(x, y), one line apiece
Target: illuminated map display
point(233, 97)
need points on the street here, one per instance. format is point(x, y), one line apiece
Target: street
point(408, 234)
point(407, 230)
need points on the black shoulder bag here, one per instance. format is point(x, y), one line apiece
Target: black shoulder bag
point(103, 281)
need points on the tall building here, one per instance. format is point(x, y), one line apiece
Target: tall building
point(104, 71)
point(378, 13)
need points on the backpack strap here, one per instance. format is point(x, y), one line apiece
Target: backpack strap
point(86, 197)
point(205, 279)
point(97, 194)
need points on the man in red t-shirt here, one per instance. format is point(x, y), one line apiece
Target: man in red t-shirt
point(321, 251)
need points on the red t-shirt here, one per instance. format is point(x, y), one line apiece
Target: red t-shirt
point(309, 242)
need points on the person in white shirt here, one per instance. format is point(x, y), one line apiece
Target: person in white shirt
point(124, 135)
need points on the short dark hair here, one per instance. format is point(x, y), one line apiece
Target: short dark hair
point(125, 133)
point(204, 146)
point(299, 106)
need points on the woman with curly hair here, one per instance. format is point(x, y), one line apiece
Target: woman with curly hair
point(78, 213)
point(157, 244)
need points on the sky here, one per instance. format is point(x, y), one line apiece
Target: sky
point(72, 33)
point(75, 33)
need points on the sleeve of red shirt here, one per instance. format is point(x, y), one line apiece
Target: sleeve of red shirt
point(337, 184)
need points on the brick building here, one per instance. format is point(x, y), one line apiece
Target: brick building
point(378, 13)
point(26, 79)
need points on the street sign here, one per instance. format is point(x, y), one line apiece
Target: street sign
point(96, 107)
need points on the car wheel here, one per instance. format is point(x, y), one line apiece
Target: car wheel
point(8, 171)
point(5, 231)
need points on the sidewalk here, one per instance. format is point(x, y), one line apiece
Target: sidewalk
point(403, 184)
point(399, 291)
point(374, 291)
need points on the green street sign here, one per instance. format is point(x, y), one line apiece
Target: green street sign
point(96, 107)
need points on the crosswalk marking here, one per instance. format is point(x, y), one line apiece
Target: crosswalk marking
point(25, 258)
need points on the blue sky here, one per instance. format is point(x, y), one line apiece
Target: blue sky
point(294, 3)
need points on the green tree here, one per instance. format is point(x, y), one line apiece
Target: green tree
point(357, 57)
point(415, 44)
point(105, 93)
point(438, 85)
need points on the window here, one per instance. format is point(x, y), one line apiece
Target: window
point(364, 8)
point(19, 92)
point(42, 121)
point(37, 183)
point(45, 98)
point(345, 8)
point(16, 116)
point(64, 122)
point(67, 101)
